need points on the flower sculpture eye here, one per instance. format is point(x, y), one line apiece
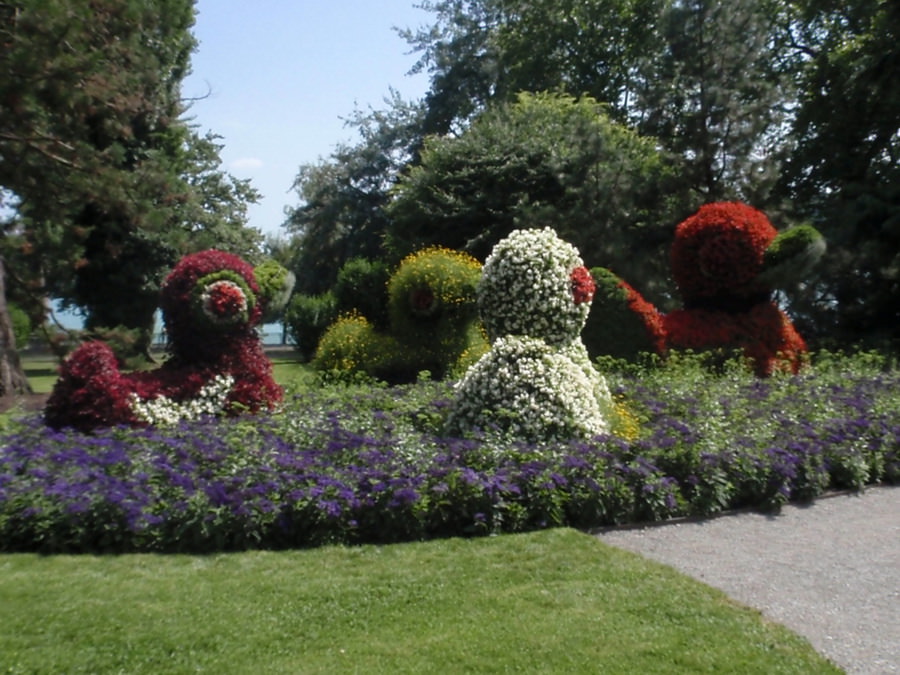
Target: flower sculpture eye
point(224, 302)
point(583, 286)
point(223, 299)
point(423, 302)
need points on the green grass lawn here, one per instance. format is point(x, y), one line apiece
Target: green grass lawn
point(552, 601)
point(41, 372)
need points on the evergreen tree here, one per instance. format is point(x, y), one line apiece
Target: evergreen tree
point(712, 90)
point(108, 183)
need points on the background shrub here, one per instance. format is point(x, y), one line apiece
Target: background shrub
point(307, 317)
point(361, 286)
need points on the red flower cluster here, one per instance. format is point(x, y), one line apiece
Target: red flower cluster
point(583, 286)
point(764, 334)
point(650, 316)
point(719, 251)
point(91, 391)
point(224, 299)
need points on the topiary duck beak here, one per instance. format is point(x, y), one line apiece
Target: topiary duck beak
point(791, 256)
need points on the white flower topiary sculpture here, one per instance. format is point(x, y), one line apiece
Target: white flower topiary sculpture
point(536, 383)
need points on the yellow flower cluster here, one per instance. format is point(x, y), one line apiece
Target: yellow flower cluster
point(445, 271)
point(625, 424)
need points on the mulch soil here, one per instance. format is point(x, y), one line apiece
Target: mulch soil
point(25, 402)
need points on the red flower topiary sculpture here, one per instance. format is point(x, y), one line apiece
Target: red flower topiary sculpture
point(211, 303)
point(726, 260)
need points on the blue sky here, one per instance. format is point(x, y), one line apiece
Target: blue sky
point(281, 74)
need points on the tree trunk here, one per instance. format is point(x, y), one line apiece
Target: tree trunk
point(12, 376)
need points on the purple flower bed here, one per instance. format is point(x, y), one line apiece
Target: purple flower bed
point(353, 466)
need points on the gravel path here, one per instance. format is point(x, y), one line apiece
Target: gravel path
point(829, 571)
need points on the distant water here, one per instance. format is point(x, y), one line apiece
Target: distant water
point(271, 332)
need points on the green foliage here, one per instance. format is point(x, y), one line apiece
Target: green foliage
point(362, 286)
point(487, 51)
point(99, 126)
point(712, 88)
point(617, 325)
point(21, 326)
point(307, 317)
point(276, 283)
point(543, 160)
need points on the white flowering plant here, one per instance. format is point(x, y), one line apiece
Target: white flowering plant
point(525, 389)
point(164, 411)
point(534, 283)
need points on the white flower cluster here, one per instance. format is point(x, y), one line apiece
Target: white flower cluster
point(528, 390)
point(526, 288)
point(537, 382)
point(163, 411)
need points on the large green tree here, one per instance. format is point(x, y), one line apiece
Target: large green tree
point(706, 78)
point(544, 160)
point(843, 172)
point(341, 214)
point(482, 51)
point(715, 89)
point(108, 181)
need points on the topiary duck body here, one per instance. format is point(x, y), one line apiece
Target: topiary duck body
point(211, 304)
point(536, 383)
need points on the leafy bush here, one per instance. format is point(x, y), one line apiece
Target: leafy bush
point(361, 286)
point(21, 325)
point(307, 317)
point(368, 464)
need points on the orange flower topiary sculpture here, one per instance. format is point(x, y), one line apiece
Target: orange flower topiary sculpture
point(726, 259)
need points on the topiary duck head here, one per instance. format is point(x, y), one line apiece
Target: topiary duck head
point(207, 294)
point(728, 256)
point(213, 295)
point(535, 284)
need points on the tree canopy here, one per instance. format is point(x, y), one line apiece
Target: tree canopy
point(104, 180)
point(790, 105)
point(544, 160)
